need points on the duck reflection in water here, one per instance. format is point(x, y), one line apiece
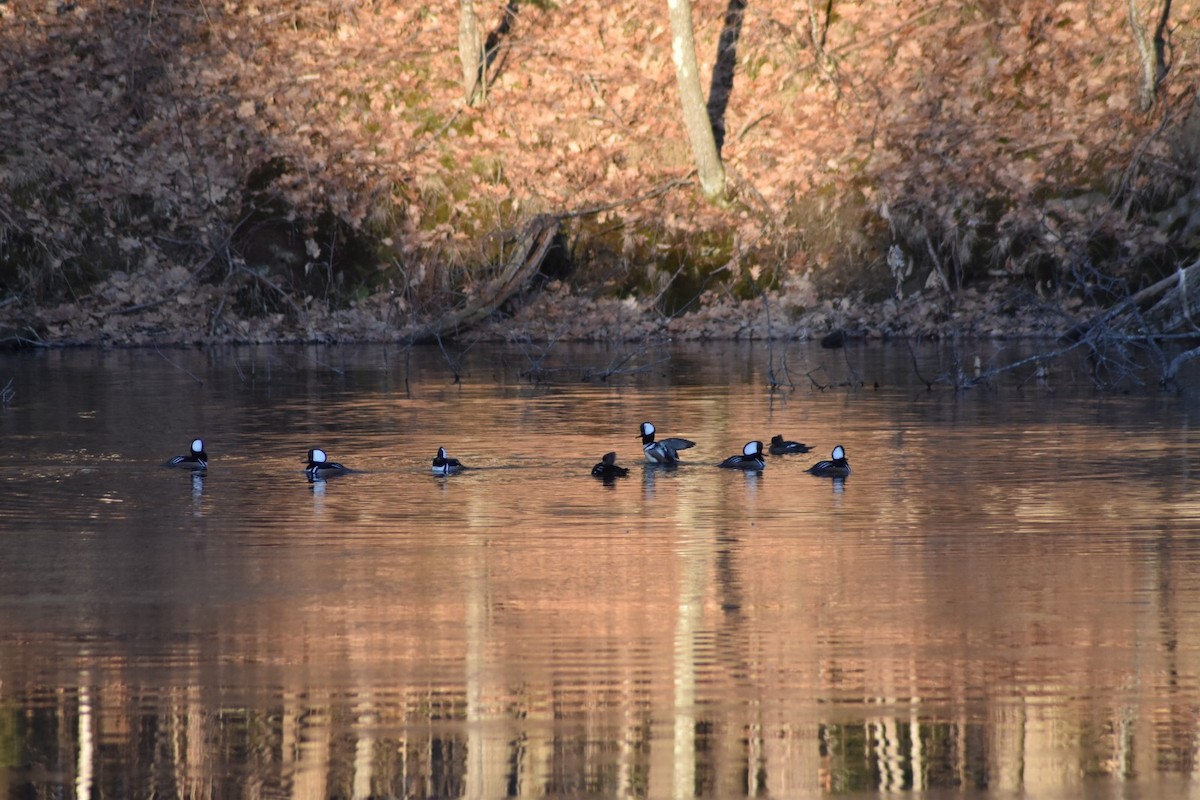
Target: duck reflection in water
point(652, 472)
point(197, 491)
point(317, 485)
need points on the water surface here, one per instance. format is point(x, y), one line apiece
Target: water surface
point(1003, 599)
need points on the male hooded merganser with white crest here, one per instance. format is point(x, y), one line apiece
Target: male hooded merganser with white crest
point(838, 467)
point(665, 451)
point(320, 467)
point(197, 459)
point(751, 458)
point(608, 469)
point(780, 447)
point(446, 466)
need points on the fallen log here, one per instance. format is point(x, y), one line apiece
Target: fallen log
point(1166, 303)
point(530, 251)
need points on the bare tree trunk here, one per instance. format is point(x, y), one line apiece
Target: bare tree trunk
point(695, 113)
point(470, 54)
point(1151, 51)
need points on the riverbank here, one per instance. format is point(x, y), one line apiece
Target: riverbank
point(174, 173)
point(129, 311)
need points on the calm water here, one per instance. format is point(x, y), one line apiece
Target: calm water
point(1002, 600)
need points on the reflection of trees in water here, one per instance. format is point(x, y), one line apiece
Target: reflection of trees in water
point(301, 750)
point(688, 653)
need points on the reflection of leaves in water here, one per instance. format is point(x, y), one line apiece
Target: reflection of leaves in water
point(524, 610)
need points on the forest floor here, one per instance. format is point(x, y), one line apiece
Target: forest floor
point(182, 173)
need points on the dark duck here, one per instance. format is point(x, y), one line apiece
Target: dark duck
point(781, 447)
point(608, 469)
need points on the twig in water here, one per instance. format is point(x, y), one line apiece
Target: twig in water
point(536, 373)
point(855, 378)
point(1039, 375)
point(184, 370)
point(341, 373)
point(454, 364)
point(991, 373)
point(408, 348)
point(820, 386)
point(617, 366)
point(916, 369)
point(780, 378)
point(7, 393)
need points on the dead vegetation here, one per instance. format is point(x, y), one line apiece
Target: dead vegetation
point(188, 172)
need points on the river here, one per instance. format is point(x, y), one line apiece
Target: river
point(1002, 599)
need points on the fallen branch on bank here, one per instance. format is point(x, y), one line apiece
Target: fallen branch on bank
point(657, 191)
point(1155, 299)
point(526, 259)
point(24, 336)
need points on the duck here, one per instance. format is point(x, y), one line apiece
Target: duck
point(197, 459)
point(446, 466)
point(837, 467)
point(751, 458)
point(665, 451)
point(320, 467)
point(608, 469)
point(780, 447)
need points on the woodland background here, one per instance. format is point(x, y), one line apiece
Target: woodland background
point(194, 171)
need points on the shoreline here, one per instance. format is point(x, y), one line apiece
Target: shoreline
point(556, 313)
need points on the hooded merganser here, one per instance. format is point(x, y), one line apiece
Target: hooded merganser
point(839, 467)
point(664, 452)
point(608, 469)
point(446, 466)
point(319, 465)
point(197, 459)
point(751, 458)
point(779, 447)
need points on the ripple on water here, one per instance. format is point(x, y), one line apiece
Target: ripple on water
point(996, 570)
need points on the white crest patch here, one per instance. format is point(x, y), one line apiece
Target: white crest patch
point(838, 452)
